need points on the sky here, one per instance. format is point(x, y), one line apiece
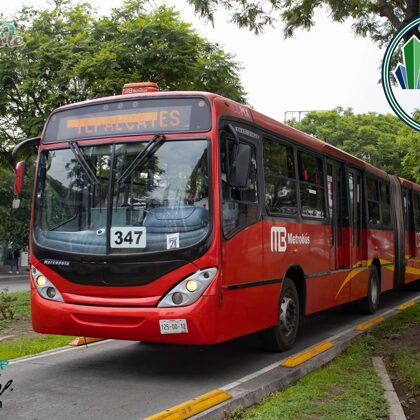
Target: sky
point(316, 70)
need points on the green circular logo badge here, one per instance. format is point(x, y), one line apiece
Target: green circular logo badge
point(407, 73)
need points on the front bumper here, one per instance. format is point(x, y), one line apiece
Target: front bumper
point(125, 323)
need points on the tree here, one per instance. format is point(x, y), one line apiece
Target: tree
point(14, 226)
point(378, 19)
point(71, 54)
point(382, 140)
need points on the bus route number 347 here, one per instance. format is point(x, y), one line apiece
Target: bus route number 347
point(128, 237)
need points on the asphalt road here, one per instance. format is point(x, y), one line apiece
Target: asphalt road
point(131, 380)
point(14, 283)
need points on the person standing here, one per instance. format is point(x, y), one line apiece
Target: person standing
point(14, 260)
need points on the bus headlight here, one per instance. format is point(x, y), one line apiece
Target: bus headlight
point(40, 281)
point(191, 285)
point(189, 290)
point(44, 287)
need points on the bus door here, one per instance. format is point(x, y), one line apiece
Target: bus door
point(409, 243)
point(242, 245)
point(244, 307)
point(355, 230)
point(337, 204)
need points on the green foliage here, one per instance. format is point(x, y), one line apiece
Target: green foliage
point(7, 305)
point(11, 349)
point(407, 364)
point(347, 388)
point(14, 226)
point(237, 414)
point(409, 142)
point(368, 16)
point(22, 305)
point(18, 303)
point(403, 320)
point(382, 140)
point(71, 54)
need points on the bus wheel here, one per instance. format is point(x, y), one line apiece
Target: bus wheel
point(282, 336)
point(370, 303)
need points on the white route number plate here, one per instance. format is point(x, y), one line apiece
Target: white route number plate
point(173, 326)
point(128, 237)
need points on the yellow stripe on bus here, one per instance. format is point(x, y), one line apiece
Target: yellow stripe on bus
point(368, 324)
point(307, 354)
point(412, 270)
point(193, 406)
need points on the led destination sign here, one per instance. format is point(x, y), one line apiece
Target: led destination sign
point(129, 118)
point(174, 119)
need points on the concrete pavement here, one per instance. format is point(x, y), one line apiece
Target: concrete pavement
point(14, 282)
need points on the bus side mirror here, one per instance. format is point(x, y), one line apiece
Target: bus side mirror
point(20, 172)
point(240, 166)
point(20, 167)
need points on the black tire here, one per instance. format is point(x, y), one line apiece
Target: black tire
point(370, 303)
point(282, 336)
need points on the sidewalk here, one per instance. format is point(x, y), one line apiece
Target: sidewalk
point(5, 277)
point(20, 276)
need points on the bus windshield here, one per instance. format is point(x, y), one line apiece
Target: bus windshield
point(94, 203)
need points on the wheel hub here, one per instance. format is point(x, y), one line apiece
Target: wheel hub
point(374, 292)
point(288, 315)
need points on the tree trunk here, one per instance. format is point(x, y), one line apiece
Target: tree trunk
point(412, 11)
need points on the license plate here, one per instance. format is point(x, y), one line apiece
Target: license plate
point(173, 326)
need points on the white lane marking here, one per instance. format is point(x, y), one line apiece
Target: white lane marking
point(252, 375)
point(54, 352)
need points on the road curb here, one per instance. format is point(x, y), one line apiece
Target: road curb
point(247, 392)
point(4, 279)
point(395, 410)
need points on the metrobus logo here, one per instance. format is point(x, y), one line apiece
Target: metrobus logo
point(406, 74)
point(279, 239)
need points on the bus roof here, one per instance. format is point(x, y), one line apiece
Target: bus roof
point(409, 184)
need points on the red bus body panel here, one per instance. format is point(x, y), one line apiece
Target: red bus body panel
point(232, 306)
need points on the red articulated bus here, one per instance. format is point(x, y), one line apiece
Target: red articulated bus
point(185, 217)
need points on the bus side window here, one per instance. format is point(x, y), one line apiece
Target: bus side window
point(417, 211)
point(311, 176)
point(406, 211)
point(359, 209)
point(355, 182)
point(239, 205)
point(280, 182)
point(385, 205)
point(373, 201)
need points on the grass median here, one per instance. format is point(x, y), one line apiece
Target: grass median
point(348, 387)
point(16, 324)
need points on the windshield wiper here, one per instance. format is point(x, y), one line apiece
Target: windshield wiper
point(80, 157)
point(150, 148)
